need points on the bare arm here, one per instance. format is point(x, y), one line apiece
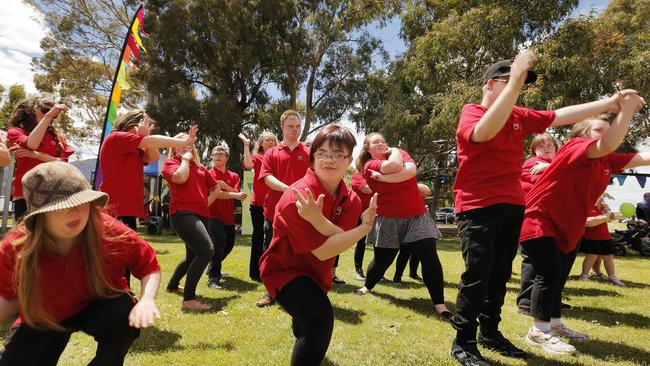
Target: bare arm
point(8, 308)
point(151, 155)
point(145, 312)
point(393, 164)
point(408, 171)
point(275, 184)
point(5, 157)
point(248, 160)
point(576, 113)
point(596, 220)
point(36, 136)
point(631, 103)
point(181, 174)
point(423, 189)
point(638, 160)
point(312, 211)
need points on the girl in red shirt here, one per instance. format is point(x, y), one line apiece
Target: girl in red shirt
point(34, 139)
point(402, 217)
point(265, 142)
point(62, 270)
point(557, 208)
point(308, 233)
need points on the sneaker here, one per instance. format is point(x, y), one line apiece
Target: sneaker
point(563, 331)
point(338, 281)
point(362, 291)
point(216, 284)
point(416, 277)
point(467, 354)
point(265, 301)
point(358, 275)
point(585, 277)
point(565, 306)
point(444, 315)
point(615, 281)
point(549, 343)
point(499, 343)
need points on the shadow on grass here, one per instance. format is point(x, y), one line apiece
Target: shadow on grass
point(607, 351)
point(417, 304)
point(608, 318)
point(217, 304)
point(573, 291)
point(239, 285)
point(154, 340)
point(346, 315)
point(328, 362)
point(346, 288)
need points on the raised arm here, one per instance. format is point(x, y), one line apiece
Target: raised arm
point(640, 159)
point(36, 136)
point(576, 113)
point(159, 141)
point(181, 174)
point(394, 163)
point(248, 160)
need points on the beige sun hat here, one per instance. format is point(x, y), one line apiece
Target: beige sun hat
point(56, 186)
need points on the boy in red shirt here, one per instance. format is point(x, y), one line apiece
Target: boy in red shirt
point(489, 198)
point(282, 165)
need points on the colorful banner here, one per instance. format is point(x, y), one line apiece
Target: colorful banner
point(129, 57)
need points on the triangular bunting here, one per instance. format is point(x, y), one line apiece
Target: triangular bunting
point(641, 179)
point(621, 179)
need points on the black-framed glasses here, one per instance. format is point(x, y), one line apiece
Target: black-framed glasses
point(336, 156)
point(219, 155)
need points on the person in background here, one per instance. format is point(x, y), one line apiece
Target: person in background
point(361, 188)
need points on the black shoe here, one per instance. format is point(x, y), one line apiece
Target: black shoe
point(445, 315)
point(467, 354)
point(416, 277)
point(338, 281)
point(397, 279)
point(216, 284)
point(565, 306)
point(500, 344)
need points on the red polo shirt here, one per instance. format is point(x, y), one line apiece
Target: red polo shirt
point(489, 172)
point(357, 182)
point(193, 194)
point(260, 189)
point(395, 199)
point(528, 180)
point(63, 281)
point(224, 210)
point(122, 163)
point(289, 254)
point(598, 232)
point(287, 166)
point(18, 136)
point(558, 205)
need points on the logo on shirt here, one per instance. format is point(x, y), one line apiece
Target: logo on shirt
point(339, 210)
point(606, 172)
point(300, 158)
point(516, 126)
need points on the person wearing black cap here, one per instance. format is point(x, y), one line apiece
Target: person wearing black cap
point(489, 199)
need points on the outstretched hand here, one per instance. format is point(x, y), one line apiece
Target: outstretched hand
point(143, 314)
point(308, 208)
point(191, 135)
point(368, 216)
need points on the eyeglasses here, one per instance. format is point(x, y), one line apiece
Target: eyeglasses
point(337, 156)
point(219, 155)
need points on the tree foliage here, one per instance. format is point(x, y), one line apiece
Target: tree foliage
point(14, 94)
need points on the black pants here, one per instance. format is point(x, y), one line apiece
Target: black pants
point(312, 319)
point(193, 230)
point(223, 240)
point(131, 222)
point(489, 238)
point(552, 268)
point(257, 241)
point(425, 251)
point(105, 320)
point(359, 251)
point(268, 234)
point(20, 207)
point(406, 256)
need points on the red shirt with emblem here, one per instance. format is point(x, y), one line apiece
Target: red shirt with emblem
point(559, 203)
point(260, 189)
point(598, 232)
point(224, 210)
point(489, 172)
point(63, 281)
point(528, 180)
point(49, 146)
point(357, 182)
point(395, 199)
point(289, 254)
point(122, 163)
point(193, 194)
point(287, 166)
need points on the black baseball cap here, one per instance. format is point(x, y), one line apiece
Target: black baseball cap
point(502, 68)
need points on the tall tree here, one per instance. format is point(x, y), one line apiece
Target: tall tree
point(15, 93)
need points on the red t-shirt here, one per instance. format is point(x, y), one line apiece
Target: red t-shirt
point(260, 189)
point(598, 232)
point(289, 254)
point(558, 205)
point(287, 166)
point(122, 163)
point(224, 210)
point(395, 199)
point(193, 194)
point(63, 283)
point(18, 136)
point(488, 172)
point(528, 180)
point(357, 182)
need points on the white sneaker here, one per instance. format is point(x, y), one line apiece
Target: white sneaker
point(563, 331)
point(615, 281)
point(585, 277)
point(549, 343)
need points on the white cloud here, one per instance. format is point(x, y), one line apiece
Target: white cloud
point(21, 31)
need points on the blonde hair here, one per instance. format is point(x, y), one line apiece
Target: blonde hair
point(364, 155)
point(129, 119)
point(289, 113)
point(581, 129)
point(541, 138)
point(222, 147)
point(27, 275)
point(195, 155)
point(258, 145)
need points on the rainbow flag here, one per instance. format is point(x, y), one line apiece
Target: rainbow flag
point(128, 61)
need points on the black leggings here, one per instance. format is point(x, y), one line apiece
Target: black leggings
point(359, 251)
point(192, 229)
point(131, 222)
point(405, 253)
point(223, 240)
point(312, 319)
point(425, 251)
point(257, 241)
point(105, 320)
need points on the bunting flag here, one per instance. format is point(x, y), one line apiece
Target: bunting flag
point(641, 179)
point(128, 61)
point(621, 179)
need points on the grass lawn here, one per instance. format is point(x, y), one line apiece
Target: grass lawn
point(393, 325)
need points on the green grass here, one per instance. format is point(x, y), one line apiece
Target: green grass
point(392, 326)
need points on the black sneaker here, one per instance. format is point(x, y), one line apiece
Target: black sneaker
point(500, 344)
point(338, 281)
point(215, 284)
point(566, 306)
point(397, 279)
point(467, 354)
point(416, 277)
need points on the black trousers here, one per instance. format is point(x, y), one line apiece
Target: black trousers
point(312, 319)
point(105, 320)
point(406, 256)
point(131, 222)
point(527, 281)
point(359, 251)
point(552, 268)
point(268, 234)
point(257, 241)
point(223, 240)
point(425, 251)
point(489, 238)
point(193, 230)
point(20, 207)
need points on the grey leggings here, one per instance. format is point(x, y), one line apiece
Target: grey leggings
point(192, 229)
